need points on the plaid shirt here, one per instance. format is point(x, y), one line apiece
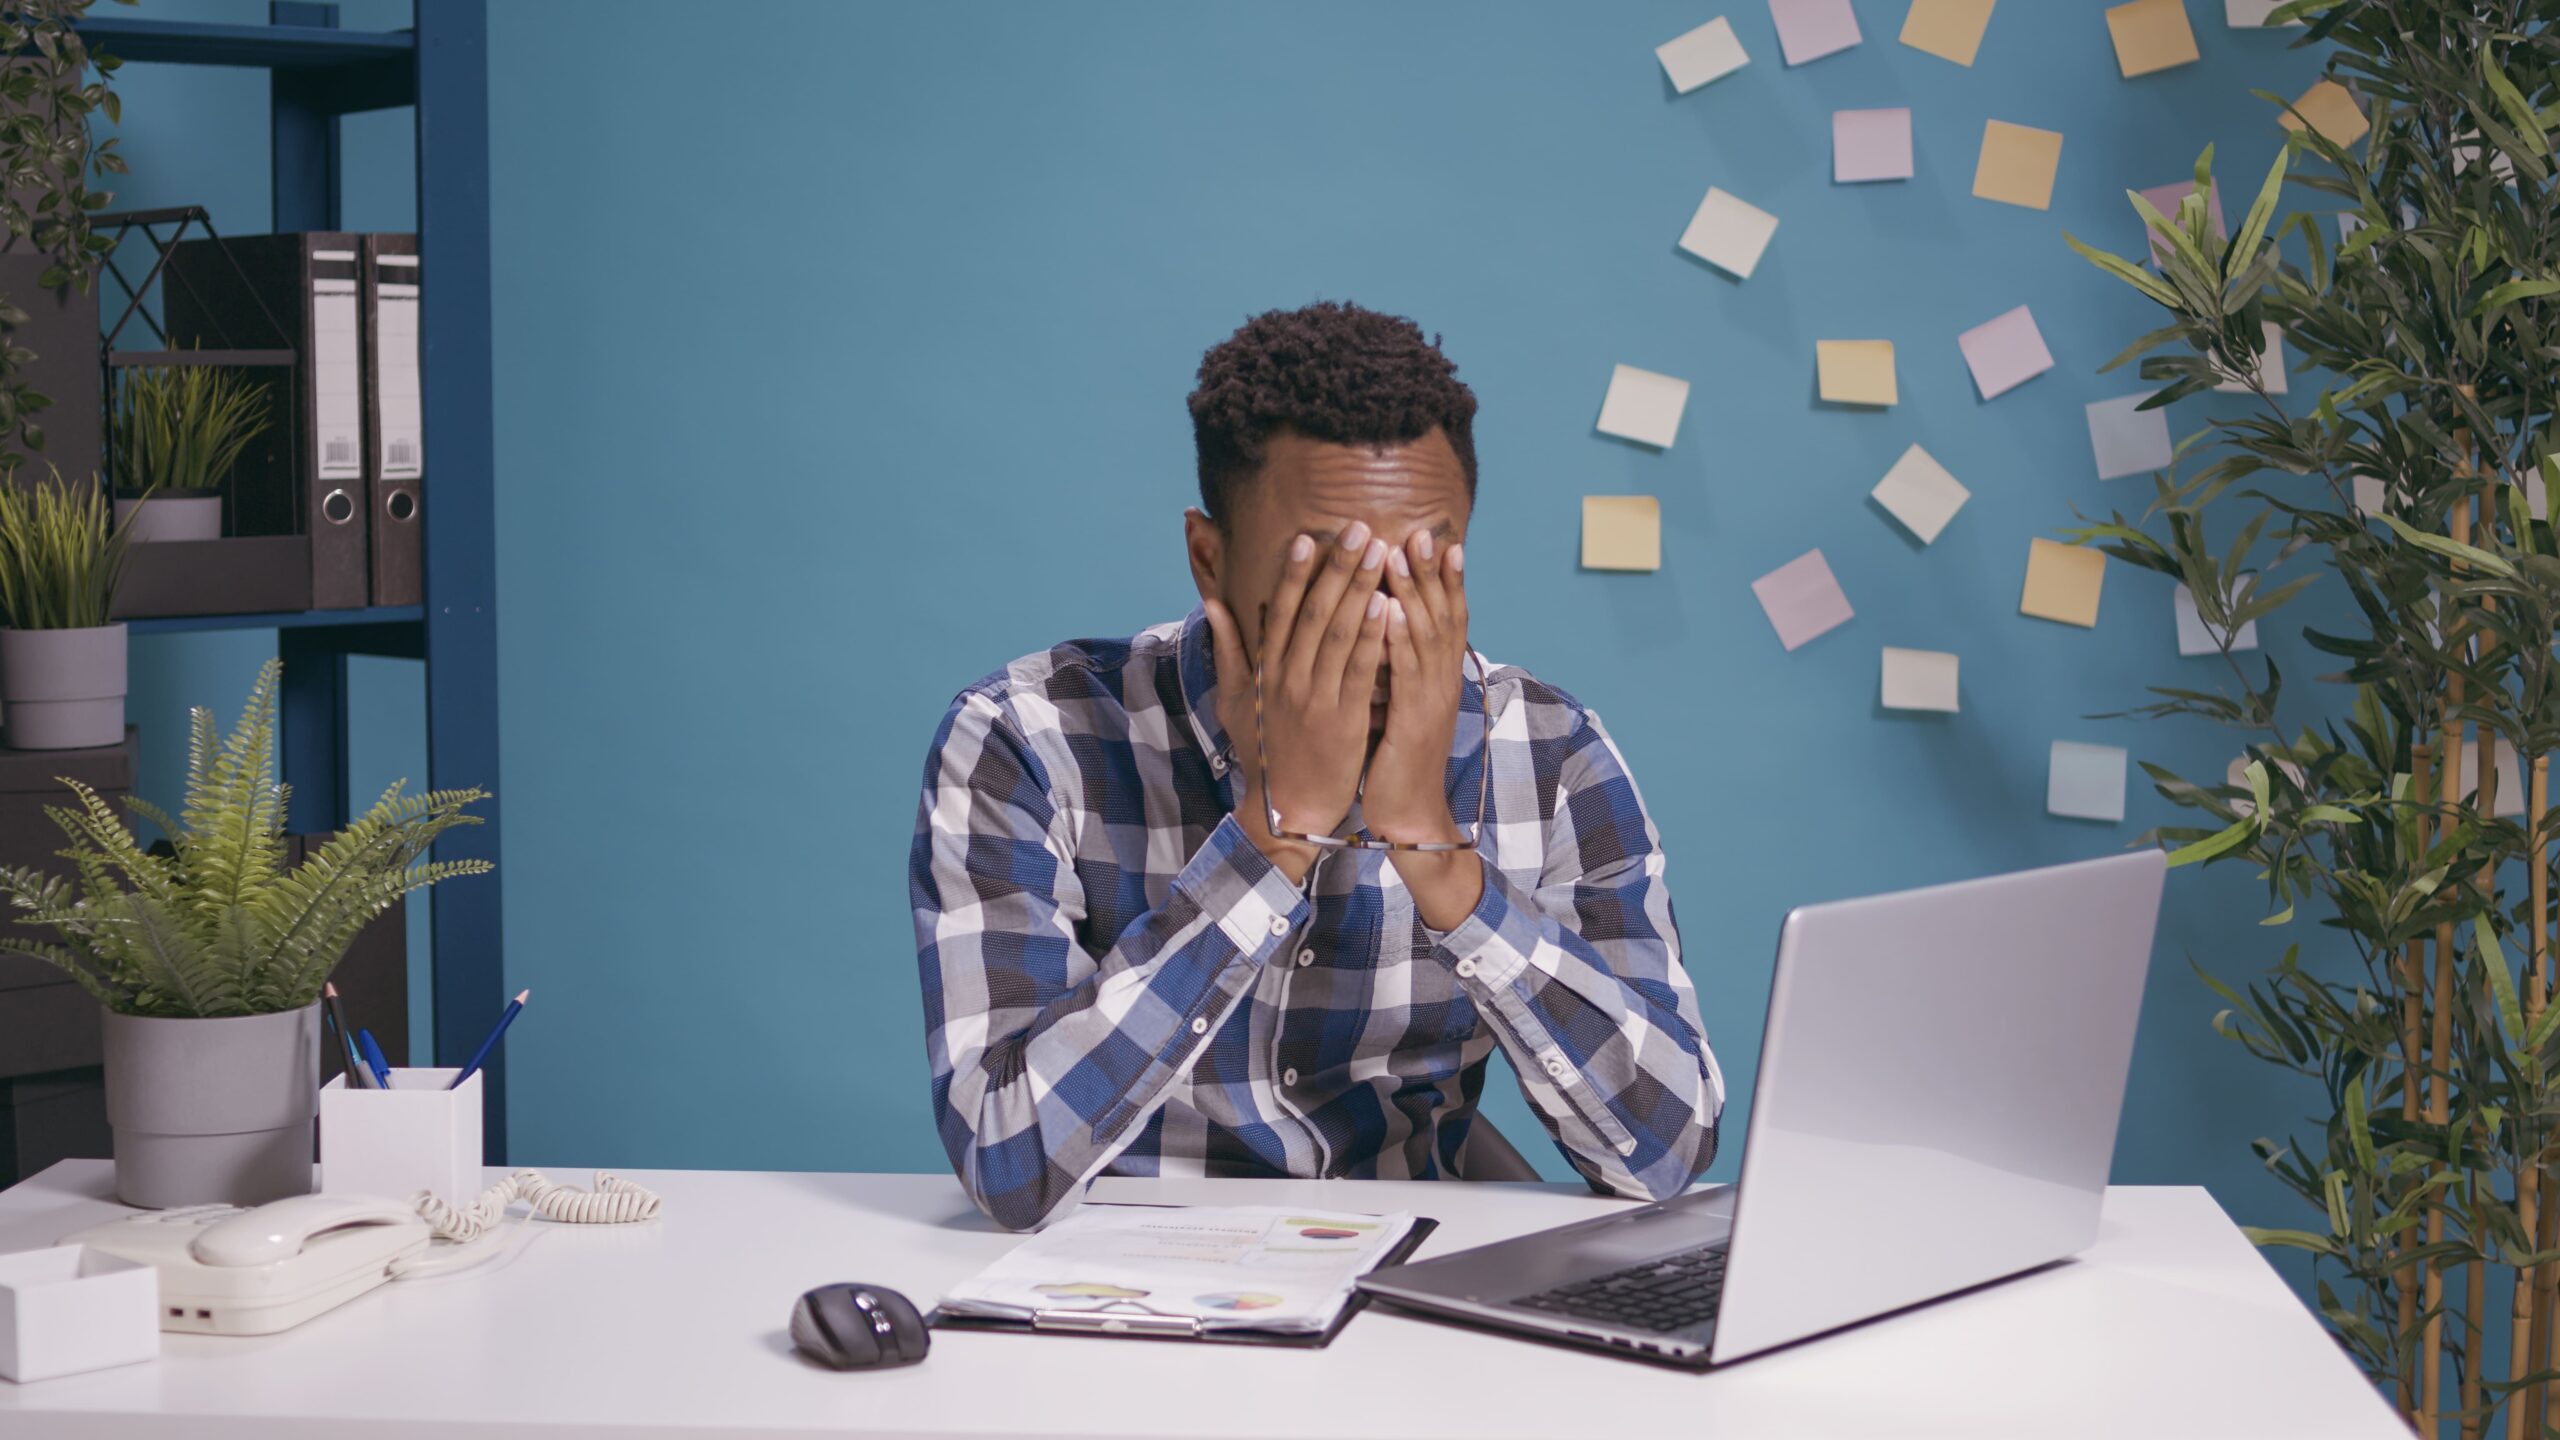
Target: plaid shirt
point(1116, 979)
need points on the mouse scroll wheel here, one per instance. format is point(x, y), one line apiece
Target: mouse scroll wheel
point(880, 1321)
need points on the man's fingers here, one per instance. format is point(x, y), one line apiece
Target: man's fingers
point(1324, 595)
point(1404, 662)
point(1360, 676)
point(1455, 570)
point(1283, 614)
point(1428, 583)
point(1350, 615)
point(1406, 585)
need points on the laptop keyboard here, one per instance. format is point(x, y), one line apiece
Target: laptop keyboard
point(1664, 1295)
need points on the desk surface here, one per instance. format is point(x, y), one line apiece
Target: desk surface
point(2170, 1325)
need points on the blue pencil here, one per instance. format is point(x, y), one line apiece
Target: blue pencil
point(481, 1054)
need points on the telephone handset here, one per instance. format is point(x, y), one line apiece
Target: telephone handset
point(226, 1271)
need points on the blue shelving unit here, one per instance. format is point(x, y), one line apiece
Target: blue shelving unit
point(320, 73)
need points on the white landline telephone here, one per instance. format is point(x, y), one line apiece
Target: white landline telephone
point(228, 1271)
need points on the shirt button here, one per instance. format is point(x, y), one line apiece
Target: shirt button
point(1306, 958)
point(1289, 1076)
point(1555, 1065)
point(1466, 969)
point(1200, 1025)
point(1217, 764)
point(1279, 924)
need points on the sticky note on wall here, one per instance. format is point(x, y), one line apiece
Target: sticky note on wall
point(1856, 372)
point(1920, 493)
point(1729, 233)
point(2195, 637)
point(1710, 52)
point(2332, 111)
point(2127, 439)
point(1621, 532)
point(1802, 599)
point(1643, 406)
point(2017, 164)
point(2063, 582)
point(2151, 35)
point(2271, 366)
point(1811, 29)
point(1919, 679)
point(2005, 352)
point(2085, 782)
point(1870, 145)
point(1948, 29)
point(2167, 198)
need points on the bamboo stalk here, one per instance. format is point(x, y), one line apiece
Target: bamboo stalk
point(2475, 1318)
point(2413, 1069)
point(2528, 1336)
point(2440, 1043)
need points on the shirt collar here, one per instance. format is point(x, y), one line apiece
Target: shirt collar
point(1197, 662)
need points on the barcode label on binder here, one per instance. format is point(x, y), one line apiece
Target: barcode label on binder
point(338, 451)
point(403, 453)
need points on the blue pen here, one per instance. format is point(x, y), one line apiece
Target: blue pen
point(504, 1020)
point(373, 1059)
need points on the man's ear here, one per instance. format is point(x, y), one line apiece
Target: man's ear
point(1207, 549)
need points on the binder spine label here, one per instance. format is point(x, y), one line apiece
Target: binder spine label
point(337, 382)
point(403, 437)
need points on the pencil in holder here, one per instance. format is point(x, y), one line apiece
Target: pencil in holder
point(415, 1136)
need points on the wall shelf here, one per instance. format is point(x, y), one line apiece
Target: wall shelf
point(317, 74)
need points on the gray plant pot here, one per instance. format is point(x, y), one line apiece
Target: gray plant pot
point(63, 689)
point(212, 1112)
point(173, 517)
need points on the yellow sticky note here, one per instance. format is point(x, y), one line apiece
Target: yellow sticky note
point(2151, 35)
point(2063, 582)
point(2332, 111)
point(2017, 164)
point(1856, 372)
point(1948, 29)
point(1621, 532)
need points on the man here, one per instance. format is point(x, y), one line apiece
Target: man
point(1145, 950)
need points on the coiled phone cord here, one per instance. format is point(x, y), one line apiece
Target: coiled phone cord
point(614, 1201)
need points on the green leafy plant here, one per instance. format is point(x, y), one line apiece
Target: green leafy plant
point(61, 554)
point(179, 428)
point(50, 84)
point(2409, 811)
point(222, 926)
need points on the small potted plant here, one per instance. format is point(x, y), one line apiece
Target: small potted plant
point(178, 429)
point(62, 661)
point(210, 959)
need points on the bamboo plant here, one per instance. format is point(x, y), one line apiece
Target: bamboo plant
point(2403, 805)
point(178, 429)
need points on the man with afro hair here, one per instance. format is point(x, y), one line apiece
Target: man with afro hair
point(1259, 892)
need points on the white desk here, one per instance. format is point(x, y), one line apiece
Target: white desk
point(2171, 1326)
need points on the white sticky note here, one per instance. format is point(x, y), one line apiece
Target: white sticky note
point(2271, 366)
point(1870, 145)
point(1710, 52)
point(1644, 406)
point(1811, 29)
point(2005, 352)
point(2085, 782)
point(2250, 14)
point(1920, 493)
point(1919, 680)
point(1802, 599)
point(2197, 638)
point(2371, 495)
point(2507, 787)
point(2128, 439)
point(1729, 233)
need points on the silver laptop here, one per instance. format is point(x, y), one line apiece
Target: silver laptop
point(1938, 1091)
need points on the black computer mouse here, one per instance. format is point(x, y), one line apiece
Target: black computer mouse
point(859, 1327)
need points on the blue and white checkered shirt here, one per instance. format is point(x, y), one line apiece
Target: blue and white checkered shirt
point(1116, 980)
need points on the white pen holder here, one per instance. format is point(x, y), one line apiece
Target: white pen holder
point(415, 1136)
point(71, 1308)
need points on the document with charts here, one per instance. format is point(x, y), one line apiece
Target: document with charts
point(1225, 1267)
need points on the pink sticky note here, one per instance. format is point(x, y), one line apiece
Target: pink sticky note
point(1811, 29)
point(1802, 599)
point(1870, 145)
point(2005, 352)
point(2167, 198)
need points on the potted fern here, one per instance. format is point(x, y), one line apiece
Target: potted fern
point(210, 959)
point(177, 431)
point(62, 660)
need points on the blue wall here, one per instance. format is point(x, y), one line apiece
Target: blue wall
point(843, 361)
point(829, 383)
